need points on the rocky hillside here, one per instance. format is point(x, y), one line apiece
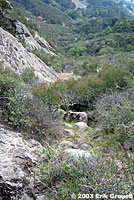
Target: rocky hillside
point(14, 55)
point(70, 135)
point(17, 45)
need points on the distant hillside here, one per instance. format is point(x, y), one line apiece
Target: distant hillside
point(43, 11)
point(128, 4)
point(64, 22)
point(61, 11)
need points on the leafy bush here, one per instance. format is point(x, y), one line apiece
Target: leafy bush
point(77, 51)
point(20, 108)
point(46, 58)
point(8, 80)
point(73, 14)
point(49, 95)
point(28, 113)
point(82, 91)
point(16, 110)
point(28, 76)
point(117, 116)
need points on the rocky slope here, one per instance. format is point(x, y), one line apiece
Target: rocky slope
point(14, 55)
point(32, 42)
point(18, 158)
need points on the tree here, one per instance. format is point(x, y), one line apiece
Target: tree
point(73, 14)
point(121, 27)
point(107, 31)
point(77, 51)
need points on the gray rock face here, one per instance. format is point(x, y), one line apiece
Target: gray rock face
point(26, 197)
point(15, 56)
point(18, 158)
point(42, 197)
point(32, 43)
point(47, 48)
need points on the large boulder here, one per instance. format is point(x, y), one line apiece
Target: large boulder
point(76, 116)
point(15, 56)
point(78, 155)
point(81, 126)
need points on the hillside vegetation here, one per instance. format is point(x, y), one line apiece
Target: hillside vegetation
point(95, 62)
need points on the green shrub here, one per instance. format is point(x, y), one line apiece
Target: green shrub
point(115, 78)
point(20, 108)
point(117, 116)
point(77, 51)
point(42, 55)
point(8, 80)
point(82, 91)
point(27, 113)
point(51, 94)
point(28, 76)
point(23, 42)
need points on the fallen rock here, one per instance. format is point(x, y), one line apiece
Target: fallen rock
point(62, 113)
point(81, 126)
point(77, 154)
point(68, 125)
point(68, 76)
point(67, 144)
point(76, 116)
point(68, 132)
point(84, 146)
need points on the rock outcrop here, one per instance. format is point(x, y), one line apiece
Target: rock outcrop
point(32, 42)
point(18, 160)
point(15, 56)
